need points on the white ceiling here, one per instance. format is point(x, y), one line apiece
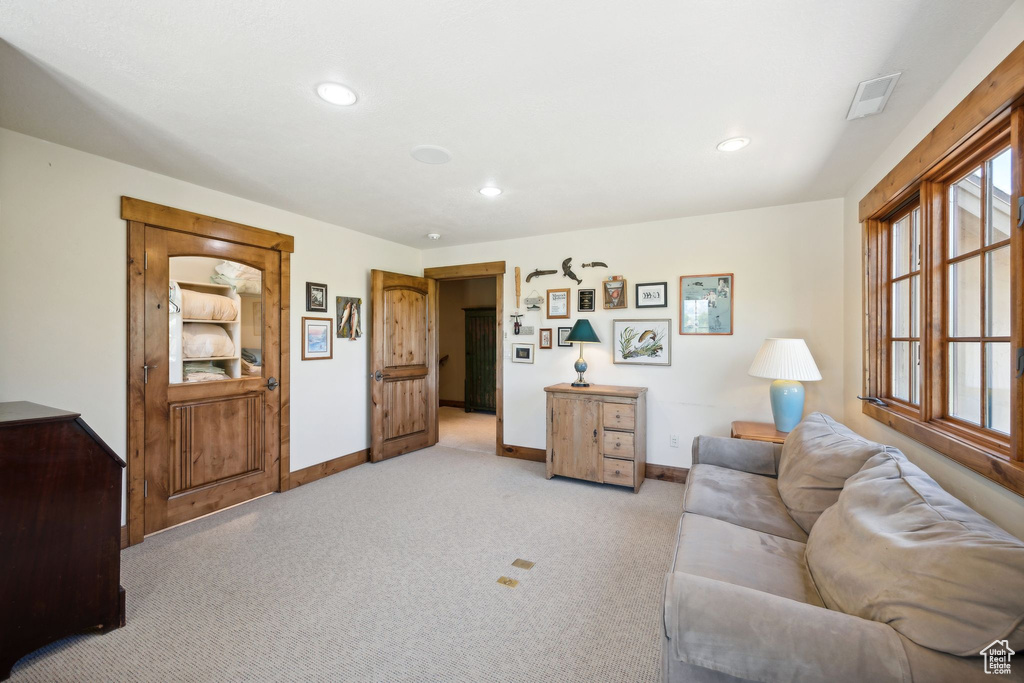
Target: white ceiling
point(587, 112)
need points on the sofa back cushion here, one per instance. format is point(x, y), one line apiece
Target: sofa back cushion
point(896, 548)
point(818, 457)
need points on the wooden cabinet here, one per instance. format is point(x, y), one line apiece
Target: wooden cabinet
point(597, 433)
point(60, 530)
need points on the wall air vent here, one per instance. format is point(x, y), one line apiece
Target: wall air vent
point(871, 96)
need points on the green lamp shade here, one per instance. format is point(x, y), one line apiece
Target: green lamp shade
point(583, 332)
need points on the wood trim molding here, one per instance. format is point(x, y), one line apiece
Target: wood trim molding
point(667, 473)
point(286, 373)
point(136, 475)
point(523, 453)
point(987, 102)
point(124, 537)
point(206, 226)
point(466, 271)
point(312, 473)
point(447, 403)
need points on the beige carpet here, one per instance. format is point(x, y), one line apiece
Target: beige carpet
point(388, 572)
point(467, 431)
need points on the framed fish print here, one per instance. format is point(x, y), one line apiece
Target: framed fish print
point(614, 292)
point(706, 303)
point(317, 340)
point(642, 342)
point(522, 353)
point(652, 295)
point(558, 303)
point(350, 317)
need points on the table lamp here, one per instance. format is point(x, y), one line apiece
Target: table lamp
point(582, 333)
point(788, 362)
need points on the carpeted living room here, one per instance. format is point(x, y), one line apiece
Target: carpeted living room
point(512, 342)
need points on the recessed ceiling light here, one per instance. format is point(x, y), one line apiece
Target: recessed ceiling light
point(733, 144)
point(336, 93)
point(431, 154)
point(433, 236)
point(490, 191)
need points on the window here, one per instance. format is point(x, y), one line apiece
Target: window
point(944, 269)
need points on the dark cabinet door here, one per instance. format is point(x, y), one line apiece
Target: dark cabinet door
point(481, 357)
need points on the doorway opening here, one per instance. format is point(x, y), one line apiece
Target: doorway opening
point(469, 341)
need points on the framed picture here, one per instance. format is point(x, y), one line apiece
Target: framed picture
point(558, 303)
point(350, 317)
point(586, 301)
point(522, 353)
point(545, 338)
point(652, 295)
point(563, 332)
point(642, 342)
point(614, 292)
point(706, 303)
point(317, 340)
point(316, 297)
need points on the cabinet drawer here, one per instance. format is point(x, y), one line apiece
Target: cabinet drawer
point(618, 472)
point(619, 416)
point(618, 445)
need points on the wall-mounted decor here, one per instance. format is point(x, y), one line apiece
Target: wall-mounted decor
point(350, 317)
point(545, 338)
point(706, 304)
point(614, 292)
point(567, 271)
point(316, 297)
point(522, 353)
point(563, 333)
point(642, 342)
point(317, 342)
point(558, 303)
point(534, 301)
point(586, 302)
point(652, 295)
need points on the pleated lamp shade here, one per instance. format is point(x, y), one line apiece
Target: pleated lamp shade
point(785, 359)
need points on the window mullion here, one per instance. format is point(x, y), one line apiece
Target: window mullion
point(933, 295)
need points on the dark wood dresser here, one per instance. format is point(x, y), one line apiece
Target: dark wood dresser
point(60, 530)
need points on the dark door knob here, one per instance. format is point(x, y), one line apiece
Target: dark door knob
point(272, 383)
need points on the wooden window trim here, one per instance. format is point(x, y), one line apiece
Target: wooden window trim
point(990, 117)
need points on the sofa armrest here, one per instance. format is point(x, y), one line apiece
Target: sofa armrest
point(758, 636)
point(755, 457)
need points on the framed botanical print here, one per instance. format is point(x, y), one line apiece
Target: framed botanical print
point(563, 332)
point(317, 338)
point(652, 295)
point(558, 303)
point(522, 353)
point(706, 304)
point(586, 300)
point(316, 297)
point(614, 292)
point(642, 342)
point(545, 338)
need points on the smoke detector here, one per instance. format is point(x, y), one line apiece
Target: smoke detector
point(871, 96)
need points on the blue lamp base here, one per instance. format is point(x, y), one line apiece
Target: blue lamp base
point(787, 404)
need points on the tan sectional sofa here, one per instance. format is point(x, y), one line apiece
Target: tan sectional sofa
point(833, 558)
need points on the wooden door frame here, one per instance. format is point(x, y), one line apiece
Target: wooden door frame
point(481, 271)
point(139, 214)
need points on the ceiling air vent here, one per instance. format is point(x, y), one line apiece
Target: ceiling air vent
point(871, 96)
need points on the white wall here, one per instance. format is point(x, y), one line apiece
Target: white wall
point(995, 502)
point(63, 292)
point(788, 266)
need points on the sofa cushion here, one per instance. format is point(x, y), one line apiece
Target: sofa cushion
point(719, 550)
point(744, 499)
point(819, 455)
point(898, 549)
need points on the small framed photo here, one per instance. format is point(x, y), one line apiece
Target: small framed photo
point(317, 338)
point(545, 338)
point(652, 295)
point(614, 292)
point(558, 303)
point(316, 297)
point(522, 353)
point(563, 332)
point(586, 300)
point(706, 303)
point(642, 342)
